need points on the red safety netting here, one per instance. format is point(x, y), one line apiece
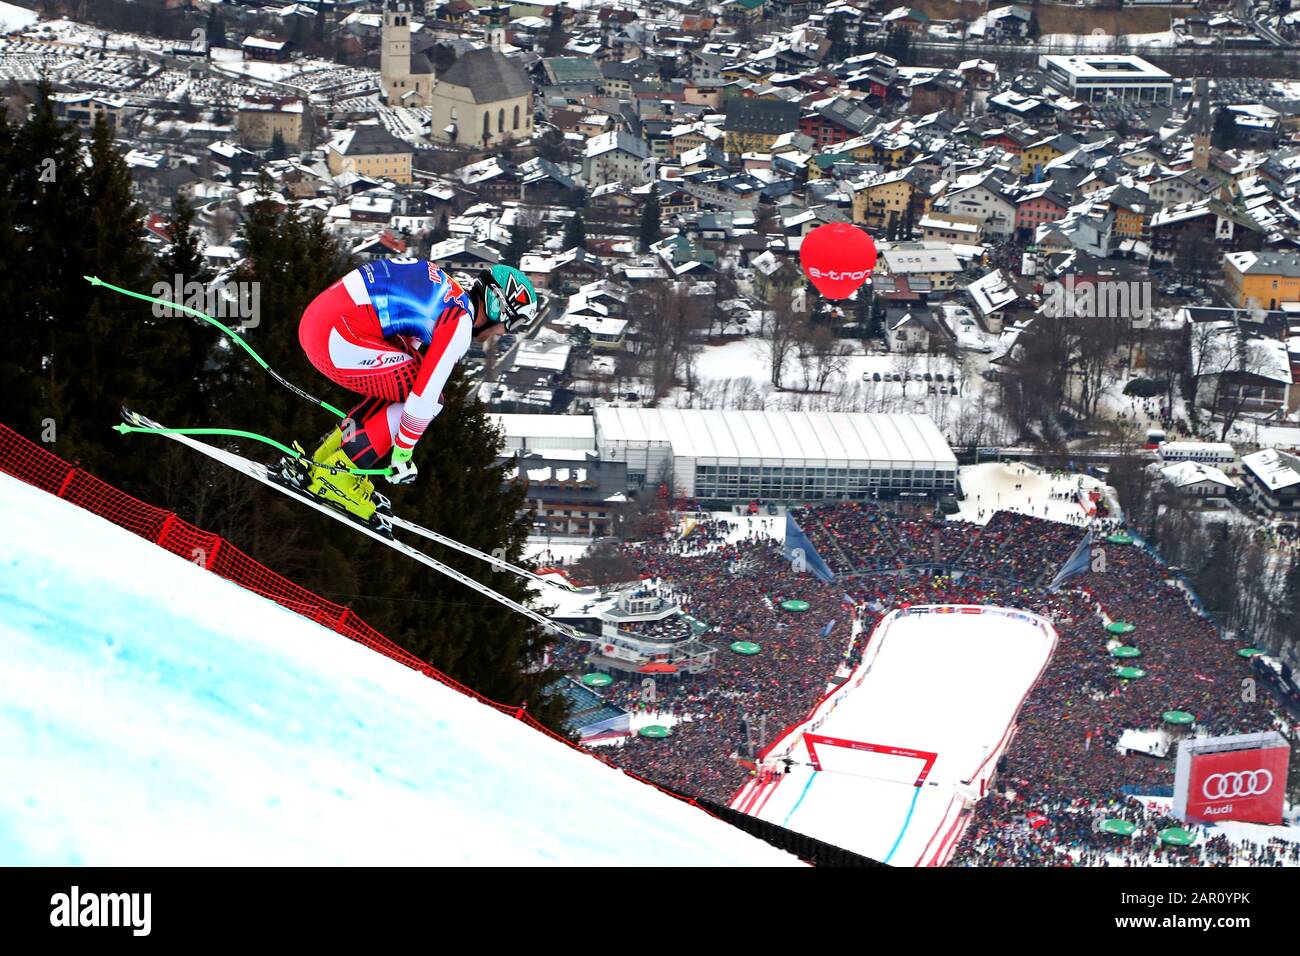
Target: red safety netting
point(29, 462)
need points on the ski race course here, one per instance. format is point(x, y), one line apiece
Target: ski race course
point(910, 737)
point(156, 714)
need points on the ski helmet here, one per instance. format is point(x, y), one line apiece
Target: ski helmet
point(508, 297)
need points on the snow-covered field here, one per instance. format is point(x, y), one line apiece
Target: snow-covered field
point(947, 683)
point(81, 34)
point(738, 375)
point(156, 714)
point(14, 17)
point(1012, 486)
point(232, 61)
point(1104, 42)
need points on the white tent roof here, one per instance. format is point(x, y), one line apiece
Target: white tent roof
point(814, 437)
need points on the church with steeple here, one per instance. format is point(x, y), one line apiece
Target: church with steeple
point(483, 100)
point(406, 79)
point(1203, 132)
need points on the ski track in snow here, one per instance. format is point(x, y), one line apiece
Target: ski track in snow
point(154, 714)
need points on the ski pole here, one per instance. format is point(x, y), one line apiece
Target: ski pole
point(253, 436)
point(234, 336)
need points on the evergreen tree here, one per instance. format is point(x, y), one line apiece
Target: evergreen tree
point(441, 230)
point(575, 232)
point(460, 493)
point(520, 243)
point(899, 46)
point(837, 35)
point(556, 39)
point(443, 58)
point(236, 165)
point(1224, 134)
point(278, 149)
point(180, 264)
point(40, 203)
point(865, 42)
point(75, 354)
point(216, 32)
point(651, 231)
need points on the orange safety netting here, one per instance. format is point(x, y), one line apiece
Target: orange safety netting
point(29, 462)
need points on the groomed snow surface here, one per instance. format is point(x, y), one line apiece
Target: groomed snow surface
point(155, 714)
point(942, 679)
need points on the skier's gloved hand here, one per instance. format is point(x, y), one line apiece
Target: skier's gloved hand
point(403, 469)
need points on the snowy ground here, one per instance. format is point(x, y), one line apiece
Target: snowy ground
point(947, 683)
point(742, 526)
point(737, 375)
point(14, 17)
point(231, 61)
point(1104, 42)
point(1026, 489)
point(81, 34)
point(1237, 833)
point(639, 719)
point(158, 715)
point(554, 550)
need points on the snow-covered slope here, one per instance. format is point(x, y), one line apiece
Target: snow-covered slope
point(152, 713)
point(14, 17)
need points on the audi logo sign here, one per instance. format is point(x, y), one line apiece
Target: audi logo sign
point(1245, 783)
point(1215, 781)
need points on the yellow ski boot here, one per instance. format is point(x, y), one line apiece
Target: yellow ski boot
point(330, 480)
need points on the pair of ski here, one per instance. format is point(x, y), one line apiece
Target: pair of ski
point(381, 530)
point(264, 474)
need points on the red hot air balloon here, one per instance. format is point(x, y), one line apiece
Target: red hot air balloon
point(837, 258)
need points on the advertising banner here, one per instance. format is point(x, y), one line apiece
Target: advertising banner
point(1215, 780)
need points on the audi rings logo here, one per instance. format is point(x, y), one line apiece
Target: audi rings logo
point(1243, 783)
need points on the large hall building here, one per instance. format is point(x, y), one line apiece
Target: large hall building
point(746, 455)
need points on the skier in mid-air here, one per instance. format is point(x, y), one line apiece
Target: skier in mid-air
point(392, 330)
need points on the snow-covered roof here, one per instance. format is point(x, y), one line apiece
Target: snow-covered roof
point(581, 429)
point(992, 292)
point(1229, 350)
point(815, 438)
point(1273, 468)
point(1186, 473)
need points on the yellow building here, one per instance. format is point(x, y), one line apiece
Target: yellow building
point(753, 125)
point(1040, 154)
point(874, 199)
point(896, 155)
point(370, 151)
point(259, 118)
point(1262, 280)
point(484, 99)
point(684, 139)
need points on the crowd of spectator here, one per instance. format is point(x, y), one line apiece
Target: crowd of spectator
point(1064, 755)
point(851, 536)
point(1023, 548)
point(1062, 767)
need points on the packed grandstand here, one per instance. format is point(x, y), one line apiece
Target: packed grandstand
point(1061, 770)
